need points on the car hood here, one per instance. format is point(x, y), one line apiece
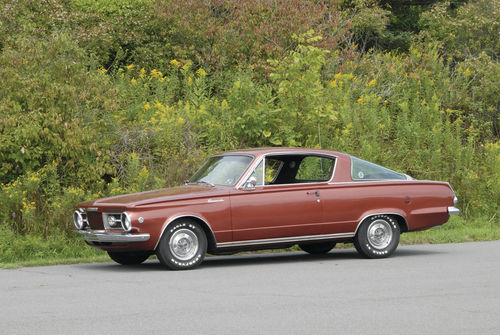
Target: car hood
point(158, 196)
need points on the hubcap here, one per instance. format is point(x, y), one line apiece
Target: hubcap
point(379, 234)
point(184, 244)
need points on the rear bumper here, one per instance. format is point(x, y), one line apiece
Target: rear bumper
point(453, 210)
point(104, 236)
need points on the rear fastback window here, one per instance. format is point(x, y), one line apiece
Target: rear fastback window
point(363, 170)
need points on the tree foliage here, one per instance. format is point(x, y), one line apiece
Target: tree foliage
point(101, 98)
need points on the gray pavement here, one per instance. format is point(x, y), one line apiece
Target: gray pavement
point(422, 289)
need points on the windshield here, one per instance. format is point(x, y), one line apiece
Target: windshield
point(222, 170)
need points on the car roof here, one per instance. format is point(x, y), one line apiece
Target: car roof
point(279, 150)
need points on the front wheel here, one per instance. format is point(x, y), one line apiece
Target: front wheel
point(377, 237)
point(129, 258)
point(182, 246)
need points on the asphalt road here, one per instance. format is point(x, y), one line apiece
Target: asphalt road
point(423, 289)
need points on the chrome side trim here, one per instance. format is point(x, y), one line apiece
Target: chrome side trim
point(363, 219)
point(104, 236)
point(453, 210)
point(92, 209)
point(215, 200)
point(283, 240)
point(179, 217)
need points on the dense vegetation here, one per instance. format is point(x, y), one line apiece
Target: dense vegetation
point(102, 97)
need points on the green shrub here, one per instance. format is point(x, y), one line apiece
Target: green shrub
point(101, 98)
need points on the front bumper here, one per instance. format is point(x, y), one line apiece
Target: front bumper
point(453, 210)
point(104, 236)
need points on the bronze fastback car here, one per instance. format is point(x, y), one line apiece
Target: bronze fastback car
point(267, 198)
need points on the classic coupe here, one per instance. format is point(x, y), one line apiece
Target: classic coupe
point(264, 199)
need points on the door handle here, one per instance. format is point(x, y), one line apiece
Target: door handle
point(315, 193)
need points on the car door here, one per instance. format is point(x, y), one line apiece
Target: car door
point(277, 209)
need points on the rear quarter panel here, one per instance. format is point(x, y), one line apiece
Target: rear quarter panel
point(422, 204)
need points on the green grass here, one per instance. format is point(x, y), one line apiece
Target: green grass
point(34, 250)
point(60, 248)
point(457, 230)
point(103, 257)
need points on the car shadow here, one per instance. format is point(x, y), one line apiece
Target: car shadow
point(260, 258)
point(299, 256)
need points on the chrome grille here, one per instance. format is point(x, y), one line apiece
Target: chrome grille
point(95, 220)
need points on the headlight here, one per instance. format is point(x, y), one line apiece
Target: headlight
point(113, 222)
point(126, 222)
point(78, 220)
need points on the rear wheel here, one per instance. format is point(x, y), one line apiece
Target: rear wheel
point(129, 258)
point(182, 246)
point(317, 248)
point(377, 236)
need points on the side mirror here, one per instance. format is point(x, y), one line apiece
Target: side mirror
point(250, 184)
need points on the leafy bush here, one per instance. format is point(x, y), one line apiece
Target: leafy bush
point(464, 31)
point(102, 98)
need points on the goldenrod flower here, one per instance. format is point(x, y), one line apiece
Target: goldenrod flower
point(201, 72)
point(371, 83)
point(175, 63)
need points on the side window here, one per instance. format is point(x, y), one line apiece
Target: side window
point(273, 167)
point(258, 175)
point(314, 169)
point(363, 170)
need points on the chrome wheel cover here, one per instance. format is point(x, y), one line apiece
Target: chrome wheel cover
point(379, 234)
point(184, 244)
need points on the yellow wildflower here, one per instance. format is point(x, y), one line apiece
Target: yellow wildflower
point(187, 66)
point(147, 106)
point(371, 83)
point(201, 72)
point(156, 74)
point(142, 73)
point(337, 76)
point(130, 67)
point(133, 81)
point(175, 63)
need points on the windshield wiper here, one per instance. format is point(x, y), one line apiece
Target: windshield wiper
point(198, 182)
point(205, 182)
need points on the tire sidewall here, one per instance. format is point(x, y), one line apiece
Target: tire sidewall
point(170, 260)
point(364, 246)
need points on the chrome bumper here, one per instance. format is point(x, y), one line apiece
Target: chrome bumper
point(103, 236)
point(453, 210)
